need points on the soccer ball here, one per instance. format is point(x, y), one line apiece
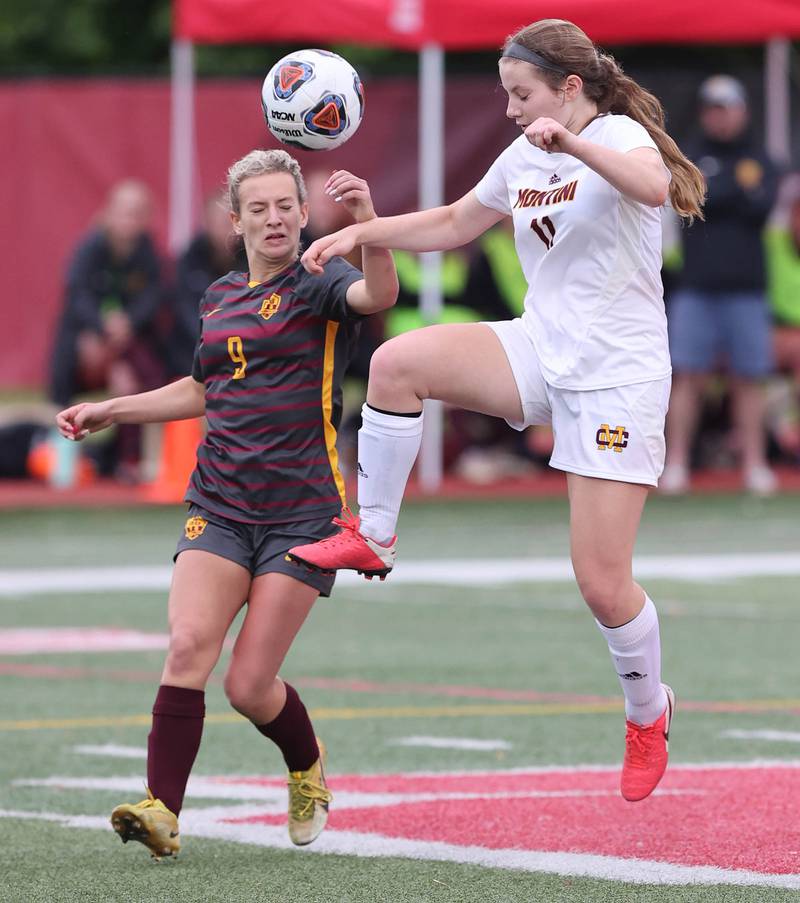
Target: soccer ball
point(313, 100)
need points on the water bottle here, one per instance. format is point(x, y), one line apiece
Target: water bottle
point(64, 472)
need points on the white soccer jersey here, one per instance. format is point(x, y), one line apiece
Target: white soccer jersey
point(592, 258)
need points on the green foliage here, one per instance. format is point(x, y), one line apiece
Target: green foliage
point(121, 37)
point(132, 37)
point(50, 37)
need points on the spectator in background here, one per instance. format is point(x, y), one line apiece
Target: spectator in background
point(719, 311)
point(212, 253)
point(106, 338)
point(782, 244)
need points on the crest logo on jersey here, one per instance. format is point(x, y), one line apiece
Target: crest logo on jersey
point(194, 527)
point(616, 438)
point(269, 306)
point(749, 173)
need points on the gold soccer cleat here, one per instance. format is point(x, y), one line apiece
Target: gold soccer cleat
point(149, 822)
point(308, 801)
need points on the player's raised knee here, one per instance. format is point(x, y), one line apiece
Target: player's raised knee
point(392, 364)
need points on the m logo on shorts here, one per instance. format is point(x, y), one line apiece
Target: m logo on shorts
point(195, 527)
point(269, 306)
point(607, 438)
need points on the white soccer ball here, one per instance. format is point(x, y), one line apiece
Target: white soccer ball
point(313, 99)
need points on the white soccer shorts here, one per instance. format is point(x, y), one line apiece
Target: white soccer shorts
point(611, 434)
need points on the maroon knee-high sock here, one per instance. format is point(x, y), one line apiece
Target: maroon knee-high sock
point(293, 733)
point(173, 742)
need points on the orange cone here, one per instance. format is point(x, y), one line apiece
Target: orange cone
point(179, 442)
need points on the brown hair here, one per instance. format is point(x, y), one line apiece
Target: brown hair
point(258, 163)
point(565, 45)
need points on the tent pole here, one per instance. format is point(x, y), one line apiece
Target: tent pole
point(431, 194)
point(182, 156)
point(777, 99)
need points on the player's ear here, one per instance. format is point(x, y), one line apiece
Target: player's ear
point(236, 222)
point(303, 215)
point(573, 85)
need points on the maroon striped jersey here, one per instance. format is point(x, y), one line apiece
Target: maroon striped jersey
point(271, 356)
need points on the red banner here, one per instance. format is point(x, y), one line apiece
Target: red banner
point(470, 24)
point(73, 139)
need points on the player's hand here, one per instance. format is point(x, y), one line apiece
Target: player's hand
point(550, 136)
point(81, 419)
point(352, 193)
point(319, 252)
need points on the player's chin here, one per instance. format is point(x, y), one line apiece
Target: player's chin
point(277, 249)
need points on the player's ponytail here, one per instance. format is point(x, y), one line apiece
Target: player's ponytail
point(570, 50)
point(624, 95)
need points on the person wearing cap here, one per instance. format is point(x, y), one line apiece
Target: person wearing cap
point(719, 315)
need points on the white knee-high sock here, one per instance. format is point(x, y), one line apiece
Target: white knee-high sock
point(636, 652)
point(387, 448)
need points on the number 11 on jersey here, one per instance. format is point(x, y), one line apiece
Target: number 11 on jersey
point(542, 228)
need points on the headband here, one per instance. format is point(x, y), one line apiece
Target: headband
point(518, 52)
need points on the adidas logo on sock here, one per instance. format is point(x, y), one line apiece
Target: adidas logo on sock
point(361, 472)
point(554, 179)
point(633, 675)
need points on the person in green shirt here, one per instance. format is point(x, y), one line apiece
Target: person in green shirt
point(782, 247)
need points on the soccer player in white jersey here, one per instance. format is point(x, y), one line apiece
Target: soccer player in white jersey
point(584, 184)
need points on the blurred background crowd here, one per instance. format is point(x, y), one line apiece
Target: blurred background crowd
point(124, 315)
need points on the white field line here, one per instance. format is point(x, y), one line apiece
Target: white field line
point(38, 640)
point(211, 787)
point(273, 796)
point(112, 751)
point(775, 736)
point(213, 823)
point(448, 572)
point(757, 764)
point(44, 640)
point(451, 743)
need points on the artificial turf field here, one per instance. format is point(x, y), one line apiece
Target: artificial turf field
point(472, 717)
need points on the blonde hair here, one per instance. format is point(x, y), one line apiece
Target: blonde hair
point(566, 46)
point(258, 163)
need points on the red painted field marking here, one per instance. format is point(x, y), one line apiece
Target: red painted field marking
point(724, 817)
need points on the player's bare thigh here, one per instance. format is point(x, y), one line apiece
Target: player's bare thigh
point(207, 592)
point(463, 364)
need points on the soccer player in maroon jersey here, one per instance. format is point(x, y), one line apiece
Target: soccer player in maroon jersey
point(274, 344)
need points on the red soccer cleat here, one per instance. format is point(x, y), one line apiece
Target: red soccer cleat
point(347, 550)
point(646, 753)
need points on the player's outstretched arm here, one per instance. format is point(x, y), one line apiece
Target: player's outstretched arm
point(437, 229)
point(180, 400)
